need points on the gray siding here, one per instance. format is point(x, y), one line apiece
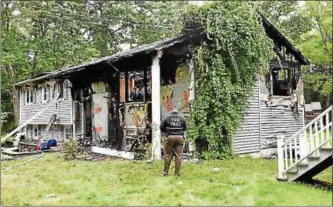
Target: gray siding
point(276, 120)
point(261, 124)
point(57, 132)
point(247, 137)
point(63, 110)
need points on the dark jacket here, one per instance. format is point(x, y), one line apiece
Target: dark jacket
point(173, 125)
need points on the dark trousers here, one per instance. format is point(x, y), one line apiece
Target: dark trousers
point(173, 143)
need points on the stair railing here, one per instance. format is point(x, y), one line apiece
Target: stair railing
point(31, 119)
point(307, 141)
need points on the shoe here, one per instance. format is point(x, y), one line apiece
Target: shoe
point(165, 174)
point(177, 174)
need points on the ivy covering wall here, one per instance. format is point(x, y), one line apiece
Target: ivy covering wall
point(234, 50)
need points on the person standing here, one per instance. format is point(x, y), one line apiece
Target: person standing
point(174, 127)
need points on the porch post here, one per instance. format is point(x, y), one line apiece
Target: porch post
point(192, 84)
point(156, 107)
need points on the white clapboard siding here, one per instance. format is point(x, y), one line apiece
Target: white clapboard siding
point(62, 108)
point(247, 136)
point(57, 132)
point(276, 120)
point(261, 123)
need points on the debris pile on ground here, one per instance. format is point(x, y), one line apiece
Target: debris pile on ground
point(84, 145)
point(194, 161)
point(93, 157)
point(271, 156)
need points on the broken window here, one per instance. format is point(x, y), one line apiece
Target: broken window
point(281, 82)
point(136, 86)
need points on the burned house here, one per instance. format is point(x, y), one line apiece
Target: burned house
point(117, 100)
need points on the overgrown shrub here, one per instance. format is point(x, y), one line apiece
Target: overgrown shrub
point(234, 50)
point(70, 149)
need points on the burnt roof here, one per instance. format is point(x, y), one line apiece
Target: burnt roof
point(270, 29)
point(143, 49)
point(273, 33)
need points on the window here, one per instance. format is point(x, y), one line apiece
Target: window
point(35, 96)
point(60, 90)
point(29, 96)
point(136, 86)
point(53, 90)
point(23, 97)
point(65, 86)
point(68, 132)
point(45, 93)
point(35, 130)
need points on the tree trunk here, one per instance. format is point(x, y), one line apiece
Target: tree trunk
point(16, 105)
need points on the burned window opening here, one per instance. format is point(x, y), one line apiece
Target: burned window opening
point(284, 73)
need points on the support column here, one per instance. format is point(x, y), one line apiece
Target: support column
point(73, 119)
point(156, 107)
point(192, 84)
point(192, 96)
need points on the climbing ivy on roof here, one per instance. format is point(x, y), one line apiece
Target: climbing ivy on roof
point(234, 50)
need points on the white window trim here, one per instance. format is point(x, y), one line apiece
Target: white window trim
point(45, 90)
point(34, 99)
point(53, 91)
point(65, 90)
point(28, 92)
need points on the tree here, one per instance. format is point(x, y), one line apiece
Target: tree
point(287, 17)
point(309, 27)
point(316, 45)
point(48, 35)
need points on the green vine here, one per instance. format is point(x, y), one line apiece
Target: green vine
point(234, 51)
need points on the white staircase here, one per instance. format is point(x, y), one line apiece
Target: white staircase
point(308, 152)
point(31, 119)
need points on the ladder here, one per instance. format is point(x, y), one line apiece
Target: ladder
point(52, 120)
point(30, 120)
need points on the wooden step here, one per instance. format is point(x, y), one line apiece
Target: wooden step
point(314, 156)
point(282, 179)
point(292, 171)
point(303, 164)
point(326, 148)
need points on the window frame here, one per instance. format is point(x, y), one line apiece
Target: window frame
point(66, 130)
point(45, 94)
point(28, 96)
point(65, 90)
point(35, 127)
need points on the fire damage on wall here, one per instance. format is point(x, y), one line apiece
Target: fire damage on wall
point(113, 100)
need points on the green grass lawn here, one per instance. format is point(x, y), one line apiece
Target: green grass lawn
point(240, 181)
